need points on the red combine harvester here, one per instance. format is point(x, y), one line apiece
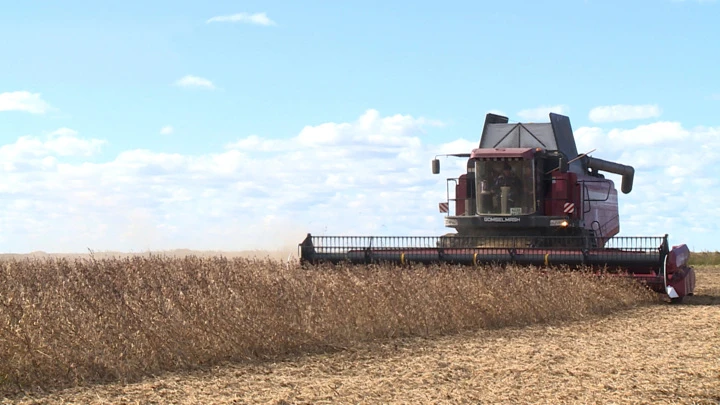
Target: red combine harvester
point(527, 198)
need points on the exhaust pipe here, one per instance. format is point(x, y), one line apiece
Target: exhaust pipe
point(627, 172)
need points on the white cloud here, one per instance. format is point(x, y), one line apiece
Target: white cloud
point(28, 151)
point(255, 143)
point(657, 134)
point(369, 176)
point(256, 18)
point(189, 81)
point(239, 197)
point(541, 114)
point(648, 135)
point(166, 130)
point(622, 112)
point(23, 101)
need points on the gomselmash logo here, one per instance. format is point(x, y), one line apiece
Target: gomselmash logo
point(501, 219)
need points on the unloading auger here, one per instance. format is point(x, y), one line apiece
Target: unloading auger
point(527, 198)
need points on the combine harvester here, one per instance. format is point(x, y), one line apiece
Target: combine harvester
point(527, 198)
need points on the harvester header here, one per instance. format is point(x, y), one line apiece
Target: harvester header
point(527, 197)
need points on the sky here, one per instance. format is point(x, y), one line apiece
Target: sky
point(223, 125)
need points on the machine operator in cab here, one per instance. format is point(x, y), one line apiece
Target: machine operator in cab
point(507, 178)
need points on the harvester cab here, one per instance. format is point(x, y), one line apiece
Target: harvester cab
point(527, 197)
point(527, 180)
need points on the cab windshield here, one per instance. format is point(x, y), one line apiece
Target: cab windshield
point(504, 187)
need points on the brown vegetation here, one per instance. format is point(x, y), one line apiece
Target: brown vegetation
point(66, 322)
point(664, 354)
point(705, 258)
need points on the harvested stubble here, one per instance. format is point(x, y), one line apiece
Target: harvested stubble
point(75, 322)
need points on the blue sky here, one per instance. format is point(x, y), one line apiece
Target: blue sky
point(86, 88)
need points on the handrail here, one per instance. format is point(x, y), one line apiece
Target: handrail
point(447, 190)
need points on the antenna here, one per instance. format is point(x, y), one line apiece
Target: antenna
point(574, 159)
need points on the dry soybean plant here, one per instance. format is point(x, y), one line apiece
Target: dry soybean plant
point(75, 322)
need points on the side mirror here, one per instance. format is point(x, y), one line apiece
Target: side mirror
point(435, 166)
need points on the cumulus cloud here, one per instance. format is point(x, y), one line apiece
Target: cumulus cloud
point(190, 81)
point(167, 130)
point(248, 18)
point(540, 114)
point(371, 176)
point(64, 142)
point(23, 101)
point(657, 134)
point(622, 112)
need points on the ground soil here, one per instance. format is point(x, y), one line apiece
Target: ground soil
point(658, 354)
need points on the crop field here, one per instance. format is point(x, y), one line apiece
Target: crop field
point(192, 329)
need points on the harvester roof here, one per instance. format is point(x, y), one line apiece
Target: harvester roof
point(554, 135)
